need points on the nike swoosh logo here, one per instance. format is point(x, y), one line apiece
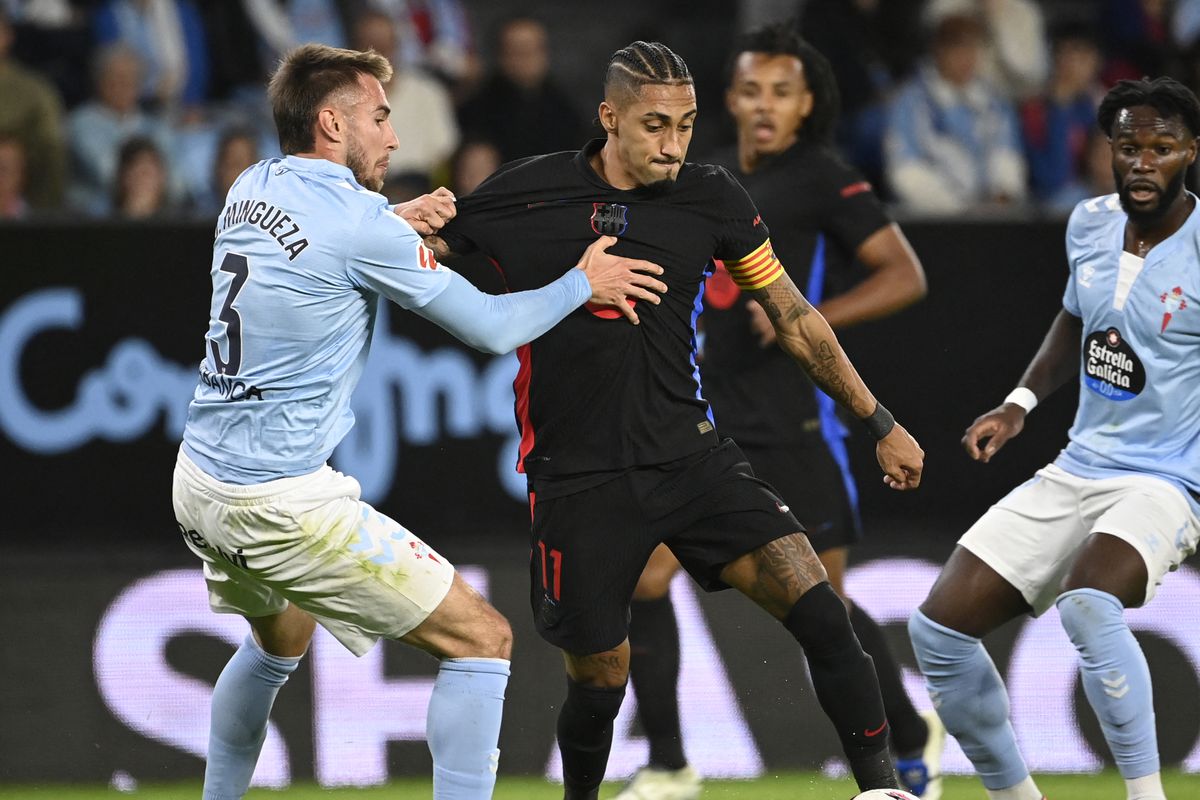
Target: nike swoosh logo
point(877, 731)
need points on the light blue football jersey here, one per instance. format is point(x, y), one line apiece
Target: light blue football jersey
point(1139, 398)
point(302, 254)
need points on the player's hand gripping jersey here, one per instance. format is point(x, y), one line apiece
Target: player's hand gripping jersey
point(1139, 398)
point(596, 393)
point(302, 254)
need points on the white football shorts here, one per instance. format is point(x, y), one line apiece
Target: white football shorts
point(1032, 535)
point(311, 541)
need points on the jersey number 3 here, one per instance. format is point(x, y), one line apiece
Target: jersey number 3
point(239, 267)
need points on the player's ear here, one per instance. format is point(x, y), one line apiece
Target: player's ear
point(608, 117)
point(329, 123)
point(807, 101)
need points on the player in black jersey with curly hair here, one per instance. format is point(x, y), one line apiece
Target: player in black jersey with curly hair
point(855, 264)
point(617, 440)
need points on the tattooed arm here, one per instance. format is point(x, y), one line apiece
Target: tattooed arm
point(805, 335)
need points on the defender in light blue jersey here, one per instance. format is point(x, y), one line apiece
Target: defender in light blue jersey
point(1096, 531)
point(305, 248)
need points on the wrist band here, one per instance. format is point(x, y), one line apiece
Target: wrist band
point(881, 421)
point(1022, 397)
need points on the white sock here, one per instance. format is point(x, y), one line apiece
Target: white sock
point(1025, 790)
point(1147, 787)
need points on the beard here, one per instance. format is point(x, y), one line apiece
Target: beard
point(356, 160)
point(1166, 199)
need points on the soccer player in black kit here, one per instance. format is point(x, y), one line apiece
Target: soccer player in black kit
point(617, 441)
point(854, 262)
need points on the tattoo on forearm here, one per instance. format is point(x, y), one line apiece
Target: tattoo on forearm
point(830, 376)
point(785, 306)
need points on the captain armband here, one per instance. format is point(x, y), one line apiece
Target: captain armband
point(880, 423)
point(758, 269)
point(1022, 397)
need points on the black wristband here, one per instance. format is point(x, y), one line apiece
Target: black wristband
point(881, 421)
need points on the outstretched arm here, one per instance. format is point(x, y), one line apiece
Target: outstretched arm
point(805, 335)
point(1055, 363)
point(500, 323)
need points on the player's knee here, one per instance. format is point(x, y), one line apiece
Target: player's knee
point(655, 580)
point(654, 584)
point(936, 645)
point(486, 635)
point(1088, 614)
point(820, 623)
point(494, 636)
point(598, 703)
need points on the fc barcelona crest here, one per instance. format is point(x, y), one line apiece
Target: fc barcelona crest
point(608, 219)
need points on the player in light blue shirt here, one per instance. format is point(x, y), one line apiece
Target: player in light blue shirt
point(305, 248)
point(1095, 532)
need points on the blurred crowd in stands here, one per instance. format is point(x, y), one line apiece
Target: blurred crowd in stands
point(138, 109)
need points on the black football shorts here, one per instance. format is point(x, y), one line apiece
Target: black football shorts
point(816, 489)
point(589, 547)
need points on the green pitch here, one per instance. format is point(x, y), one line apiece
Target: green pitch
point(784, 786)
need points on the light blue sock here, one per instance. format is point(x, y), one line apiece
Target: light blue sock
point(241, 706)
point(970, 698)
point(1116, 677)
point(463, 727)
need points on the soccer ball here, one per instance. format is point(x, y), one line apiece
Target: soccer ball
point(885, 794)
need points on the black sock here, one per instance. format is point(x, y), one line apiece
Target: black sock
point(909, 731)
point(654, 668)
point(585, 731)
point(845, 683)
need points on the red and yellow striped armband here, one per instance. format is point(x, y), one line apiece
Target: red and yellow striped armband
point(760, 268)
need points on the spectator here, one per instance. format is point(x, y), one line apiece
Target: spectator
point(433, 35)
point(32, 112)
point(1136, 36)
point(871, 45)
point(422, 114)
point(97, 128)
point(1016, 60)
point(54, 38)
point(12, 179)
point(519, 106)
point(952, 140)
point(140, 187)
point(475, 160)
point(1057, 125)
point(168, 37)
point(284, 24)
point(236, 150)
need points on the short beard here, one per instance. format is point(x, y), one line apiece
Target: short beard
point(356, 160)
point(1166, 200)
point(660, 187)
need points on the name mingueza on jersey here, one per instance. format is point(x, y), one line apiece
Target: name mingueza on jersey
point(230, 387)
point(278, 225)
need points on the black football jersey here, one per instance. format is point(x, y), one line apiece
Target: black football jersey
point(597, 393)
point(820, 211)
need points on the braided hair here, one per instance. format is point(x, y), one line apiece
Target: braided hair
point(640, 64)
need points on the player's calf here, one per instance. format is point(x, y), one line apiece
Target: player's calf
point(844, 679)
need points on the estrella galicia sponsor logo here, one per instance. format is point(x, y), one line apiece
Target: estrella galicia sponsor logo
point(1111, 368)
point(608, 219)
